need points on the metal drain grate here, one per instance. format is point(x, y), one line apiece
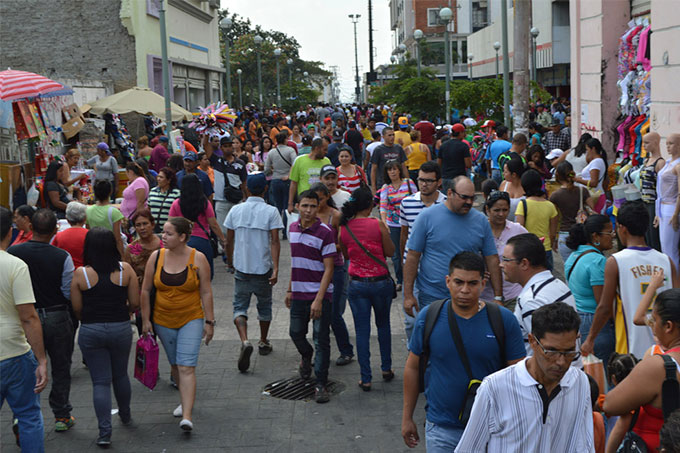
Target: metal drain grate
point(298, 389)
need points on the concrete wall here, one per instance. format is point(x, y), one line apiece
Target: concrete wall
point(66, 39)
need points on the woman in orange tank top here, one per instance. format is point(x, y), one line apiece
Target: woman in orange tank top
point(182, 313)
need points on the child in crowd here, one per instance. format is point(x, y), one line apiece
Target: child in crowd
point(618, 367)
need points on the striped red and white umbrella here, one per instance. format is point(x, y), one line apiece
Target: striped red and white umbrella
point(15, 85)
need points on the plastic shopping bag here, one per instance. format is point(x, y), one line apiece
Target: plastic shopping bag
point(291, 217)
point(146, 361)
point(595, 368)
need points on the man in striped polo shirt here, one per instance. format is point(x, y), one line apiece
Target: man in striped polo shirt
point(312, 250)
point(429, 179)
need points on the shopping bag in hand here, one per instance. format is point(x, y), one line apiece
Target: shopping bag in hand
point(146, 361)
point(595, 368)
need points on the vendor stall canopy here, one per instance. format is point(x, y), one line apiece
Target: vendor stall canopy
point(139, 100)
point(17, 85)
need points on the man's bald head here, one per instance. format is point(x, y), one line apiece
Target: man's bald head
point(651, 141)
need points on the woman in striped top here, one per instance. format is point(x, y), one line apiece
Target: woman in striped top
point(350, 176)
point(162, 196)
point(399, 187)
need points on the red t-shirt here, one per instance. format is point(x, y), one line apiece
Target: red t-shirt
point(367, 230)
point(73, 241)
point(426, 130)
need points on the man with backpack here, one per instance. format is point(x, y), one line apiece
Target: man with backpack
point(516, 151)
point(455, 344)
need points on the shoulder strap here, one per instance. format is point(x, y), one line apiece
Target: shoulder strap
point(496, 321)
point(369, 254)
point(120, 277)
point(574, 265)
point(201, 226)
point(458, 340)
point(430, 320)
point(670, 389)
point(281, 155)
point(633, 421)
point(87, 280)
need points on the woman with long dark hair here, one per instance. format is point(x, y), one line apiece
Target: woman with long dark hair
point(575, 156)
point(593, 175)
point(143, 164)
point(103, 293)
point(193, 205)
point(162, 196)
point(102, 214)
point(584, 271)
point(535, 132)
point(512, 184)
point(260, 154)
point(370, 285)
point(54, 191)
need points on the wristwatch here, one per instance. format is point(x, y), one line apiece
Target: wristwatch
point(211, 323)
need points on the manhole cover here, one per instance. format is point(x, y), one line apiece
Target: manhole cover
point(298, 389)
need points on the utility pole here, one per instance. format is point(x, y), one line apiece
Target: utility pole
point(520, 102)
point(166, 73)
point(506, 62)
point(355, 18)
point(370, 36)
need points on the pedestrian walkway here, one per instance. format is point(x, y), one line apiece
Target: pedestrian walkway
point(231, 411)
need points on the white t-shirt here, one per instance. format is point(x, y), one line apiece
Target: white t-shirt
point(595, 164)
point(340, 197)
point(371, 147)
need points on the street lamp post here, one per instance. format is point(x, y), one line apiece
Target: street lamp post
point(166, 72)
point(445, 14)
point(355, 19)
point(497, 47)
point(277, 54)
point(418, 35)
point(240, 93)
point(225, 25)
point(470, 57)
point(393, 59)
point(258, 42)
point(289, 62)
point(534, 34)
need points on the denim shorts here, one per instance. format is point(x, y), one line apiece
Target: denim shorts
point(245, 285)
point(182, 345)
point(441, 439)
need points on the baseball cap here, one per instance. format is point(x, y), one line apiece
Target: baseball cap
point(226, 140)
point(104, 147)
point(403, 122)
point(327, 120)
point(489, 123)
point(352, 124)
point(307, 140)
point(190, 155)
point(256, 182)
point(337, 134)
point(458, 128)
point(555, 122)
point(555, 153)
point(327, 169)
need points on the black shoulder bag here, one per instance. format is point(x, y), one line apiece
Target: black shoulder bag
point(211, 238)
point(670, 389)
point(574, 265)
point(632, 443)
point(371, 256)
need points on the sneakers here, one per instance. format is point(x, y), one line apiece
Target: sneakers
point(186, 425)
point(344, 360)
point(103, 441)
point(244, 356)
point(125, 421)
point(321, 394)
point(177, 412)
point(306, 367)
point(15, 430)
point(64, 424)
point(264, 347)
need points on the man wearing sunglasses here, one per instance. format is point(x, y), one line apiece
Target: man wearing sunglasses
point(541, 403)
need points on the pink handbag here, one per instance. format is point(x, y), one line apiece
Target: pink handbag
point(146, 361)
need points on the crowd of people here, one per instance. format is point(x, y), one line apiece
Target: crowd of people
point(495, 338)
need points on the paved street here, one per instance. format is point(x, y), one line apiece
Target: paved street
point(231, 412)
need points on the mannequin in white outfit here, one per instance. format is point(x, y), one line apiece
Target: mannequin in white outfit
point(668, 201)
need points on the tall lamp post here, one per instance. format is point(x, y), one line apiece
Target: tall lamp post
point(418, 35)
point(166, 72)
point(225, 25)
point(240, 93)
point(289, 62)
point(393, 59)
point(534, 34)
point(258, 42)
point(470, 57)
point(355, 19)
point(445, 14)
point(497, 47)
point(277, 54)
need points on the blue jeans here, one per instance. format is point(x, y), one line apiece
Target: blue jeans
point(441, 439)
point(16, 386)
point(362, 297)
point(605, 342)
point(549, 260)
point(395, 235)
point(203, 245)
point(339, 303)
point(562, 246)
point(181, 345)
point(299, 324)
point(278, 191)
point(106, 349)
point(497, 175)
point(245, 285)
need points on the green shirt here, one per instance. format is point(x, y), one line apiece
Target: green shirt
point(305, 171)
point(98, 216)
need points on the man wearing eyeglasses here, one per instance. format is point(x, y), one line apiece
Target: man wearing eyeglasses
point(441, 232)
point(524, 262)
point(541, 403)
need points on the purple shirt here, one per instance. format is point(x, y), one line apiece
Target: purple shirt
point(159, 157)
point(510, 290)
point(129, 204)
point(308, 248)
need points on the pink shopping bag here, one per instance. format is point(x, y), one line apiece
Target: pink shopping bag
point(146, 361)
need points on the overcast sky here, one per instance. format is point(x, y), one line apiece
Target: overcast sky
point(324, 31)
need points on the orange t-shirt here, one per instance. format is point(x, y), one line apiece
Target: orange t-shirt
point(177, 305)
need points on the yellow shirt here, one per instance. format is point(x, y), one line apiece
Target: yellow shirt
point(417, 157)
point(366, 132)
point(177, 305)
point(15, 289)
point(405, 138)
point(538, 219)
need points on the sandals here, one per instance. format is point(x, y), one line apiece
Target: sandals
point(365, 387)
point(388, 375)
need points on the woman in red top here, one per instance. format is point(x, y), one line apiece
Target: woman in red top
point(370, 283)
point(642, 387)
point(22, 219)
point(350, 176)
point(73, 239)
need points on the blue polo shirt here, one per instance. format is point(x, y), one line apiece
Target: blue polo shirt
point(202, 176)
point(440, 234)
point(446, 380)
point(495, 149)
point(589, 272)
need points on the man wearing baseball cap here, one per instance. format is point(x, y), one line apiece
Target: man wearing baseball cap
point(402, 135)
point(454, 156)
point(191, 167)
